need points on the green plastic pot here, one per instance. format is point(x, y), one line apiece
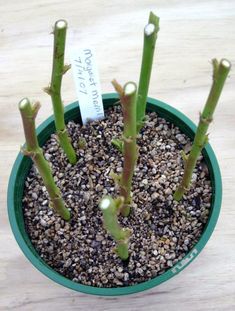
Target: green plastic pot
point(23, 164)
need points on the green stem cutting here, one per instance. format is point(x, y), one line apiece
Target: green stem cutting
point(110, 208)
point(150, 37)
point(54, 89)
point(130, 153)
point(28, 113)
point(220, 73)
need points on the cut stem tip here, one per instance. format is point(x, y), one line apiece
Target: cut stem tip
point(149, 29)
point(105, 203)
point(24, 103)
point(61, 24)
point(130, 88)
point(226, 63)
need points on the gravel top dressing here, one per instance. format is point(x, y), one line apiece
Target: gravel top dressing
point(163, 230)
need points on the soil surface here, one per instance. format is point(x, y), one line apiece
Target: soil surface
point(163, 230)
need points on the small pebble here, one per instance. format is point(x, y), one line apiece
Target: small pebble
point(68, 263)
point(99, 238)
point(44, 202)
point(34, 196)
point(181, 138)
point(194, 177)
point(83, 218)
point(168, 191)
point(154, 196)
point(169, 263)
point(126, 276)
point(43, 223)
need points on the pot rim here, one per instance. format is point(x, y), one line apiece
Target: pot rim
point(183, 263)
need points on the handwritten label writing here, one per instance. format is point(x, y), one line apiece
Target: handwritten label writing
point(87, 84)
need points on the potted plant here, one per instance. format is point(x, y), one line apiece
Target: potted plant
point(110, 207)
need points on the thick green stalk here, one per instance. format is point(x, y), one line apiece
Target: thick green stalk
point(110, 209)
point(220, 73)
point(32, 149)
point(128, 102)
point(54, 89)
point(150, 37)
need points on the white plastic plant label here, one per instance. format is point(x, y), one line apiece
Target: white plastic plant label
point(87, 83)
